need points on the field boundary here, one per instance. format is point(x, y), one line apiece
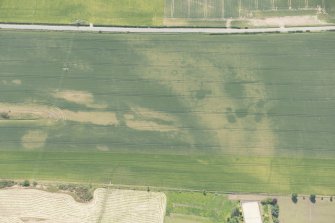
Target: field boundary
point(164, 30)
point(160, 189)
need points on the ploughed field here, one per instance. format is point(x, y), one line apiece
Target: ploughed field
point(246, 113)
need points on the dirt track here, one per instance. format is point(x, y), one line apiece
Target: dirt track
point(164, 30)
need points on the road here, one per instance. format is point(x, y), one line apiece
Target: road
point(164, 30)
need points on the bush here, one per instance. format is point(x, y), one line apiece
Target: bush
point(269, 201)
point(312, 198)
point(331, 198)
point(275, 211)
point(235, 212)
point(5, 115)
point(233, 220)
point(294, 197)
point(82, 193)
point(274, 201)
point(6, 183)
point(25, 183)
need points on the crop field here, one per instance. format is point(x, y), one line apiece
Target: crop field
point(209, 112)
point(234, 8)
point(112, 206)
point(305, 211)
point(188, 207)
point(111, 12)
point(156, 12)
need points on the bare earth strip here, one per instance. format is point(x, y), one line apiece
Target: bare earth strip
point(148, 120)
point(38, 112)
point(287, 21)
point(122, 206)
point(78, 97)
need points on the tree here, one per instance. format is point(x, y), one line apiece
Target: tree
point(233, 220)
point(25, 183)
point(269, 201)
point(274, 201)
point(5, 115)
point(235, 212)
point(275, 211)
point(312, 198)
point(294, 197)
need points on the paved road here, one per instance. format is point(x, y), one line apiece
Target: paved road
point(163, 30)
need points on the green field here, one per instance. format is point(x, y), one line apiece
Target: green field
point(198, 208)
point(154, 12)
point(111, 12)
point(211, 9)
point(246, 113)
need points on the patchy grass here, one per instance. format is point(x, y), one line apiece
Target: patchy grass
point(112, 12)
point(198, 207)
point(6, 183)
point(81, 193)
point(305, 211)
point(202, 172)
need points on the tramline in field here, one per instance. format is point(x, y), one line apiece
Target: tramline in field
point(180, 110)
point(221, 9)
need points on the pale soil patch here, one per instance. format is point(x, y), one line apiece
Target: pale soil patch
point(30, 111)
point(98, 118)
point(37, 112)
point(232, 137)
point(78, 97)
point(148, 125)
point(34, 139)
point(287, 21)
point(103, 148)
point(115, 206)
point(17, 82)
point(12, 82)
point(148, 120)
point(194, 22)
point(150, 114)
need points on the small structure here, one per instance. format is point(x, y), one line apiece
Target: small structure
point(251, 212)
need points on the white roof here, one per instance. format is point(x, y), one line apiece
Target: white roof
point(251, 212)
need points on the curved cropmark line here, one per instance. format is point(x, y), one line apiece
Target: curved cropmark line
point(58, 113)
point(52, 112)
